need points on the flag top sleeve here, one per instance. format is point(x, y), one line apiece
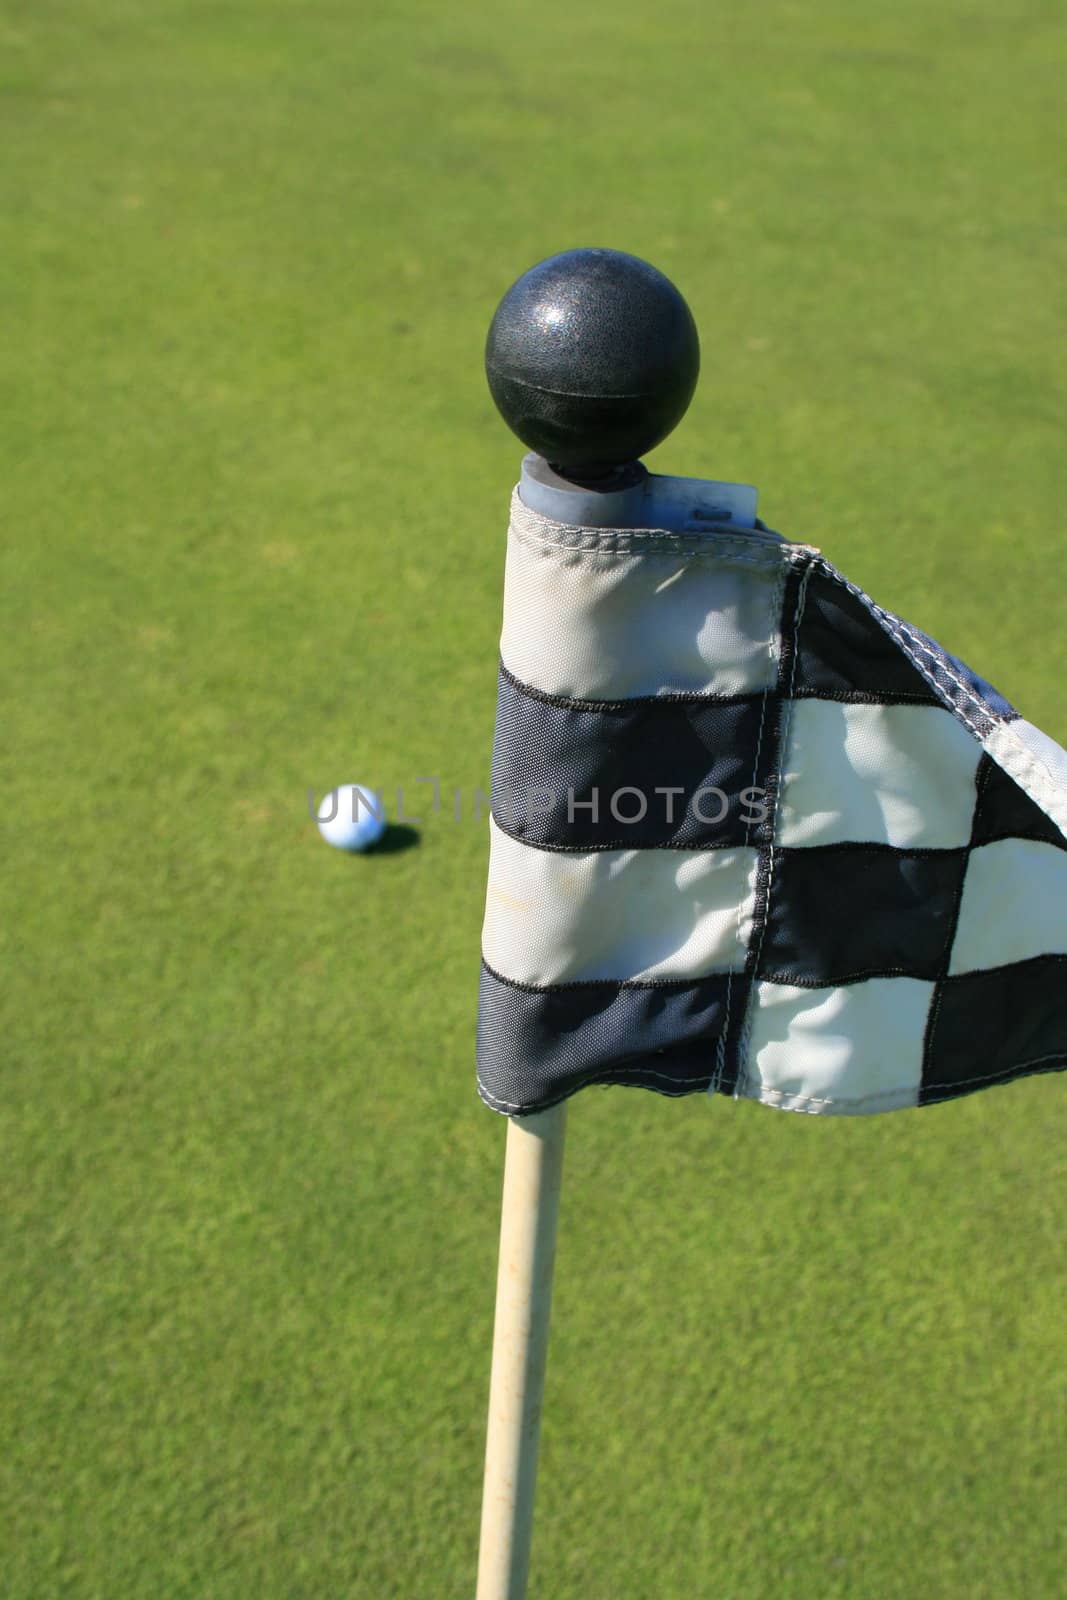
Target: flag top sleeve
point(753, 834)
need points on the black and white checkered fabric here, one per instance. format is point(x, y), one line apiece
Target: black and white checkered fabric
point(753, 834)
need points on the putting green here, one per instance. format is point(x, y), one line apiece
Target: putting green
point(255, 492)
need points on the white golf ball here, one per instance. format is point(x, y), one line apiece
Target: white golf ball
point(351, 817)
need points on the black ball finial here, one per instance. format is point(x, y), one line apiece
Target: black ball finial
point(592, 358)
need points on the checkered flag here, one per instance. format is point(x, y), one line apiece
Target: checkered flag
point(753, 834)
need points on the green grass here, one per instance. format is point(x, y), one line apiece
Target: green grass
point(254, 494)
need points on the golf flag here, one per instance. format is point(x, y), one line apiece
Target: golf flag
point(753, 834)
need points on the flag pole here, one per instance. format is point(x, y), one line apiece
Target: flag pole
point(621, 352)
point(533, 1170)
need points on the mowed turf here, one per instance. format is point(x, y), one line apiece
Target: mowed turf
point(253, 496)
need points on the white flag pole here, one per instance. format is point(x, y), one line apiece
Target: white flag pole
point(533, 1170)
point(592, 357)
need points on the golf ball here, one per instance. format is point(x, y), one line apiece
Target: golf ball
point(352, 817)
